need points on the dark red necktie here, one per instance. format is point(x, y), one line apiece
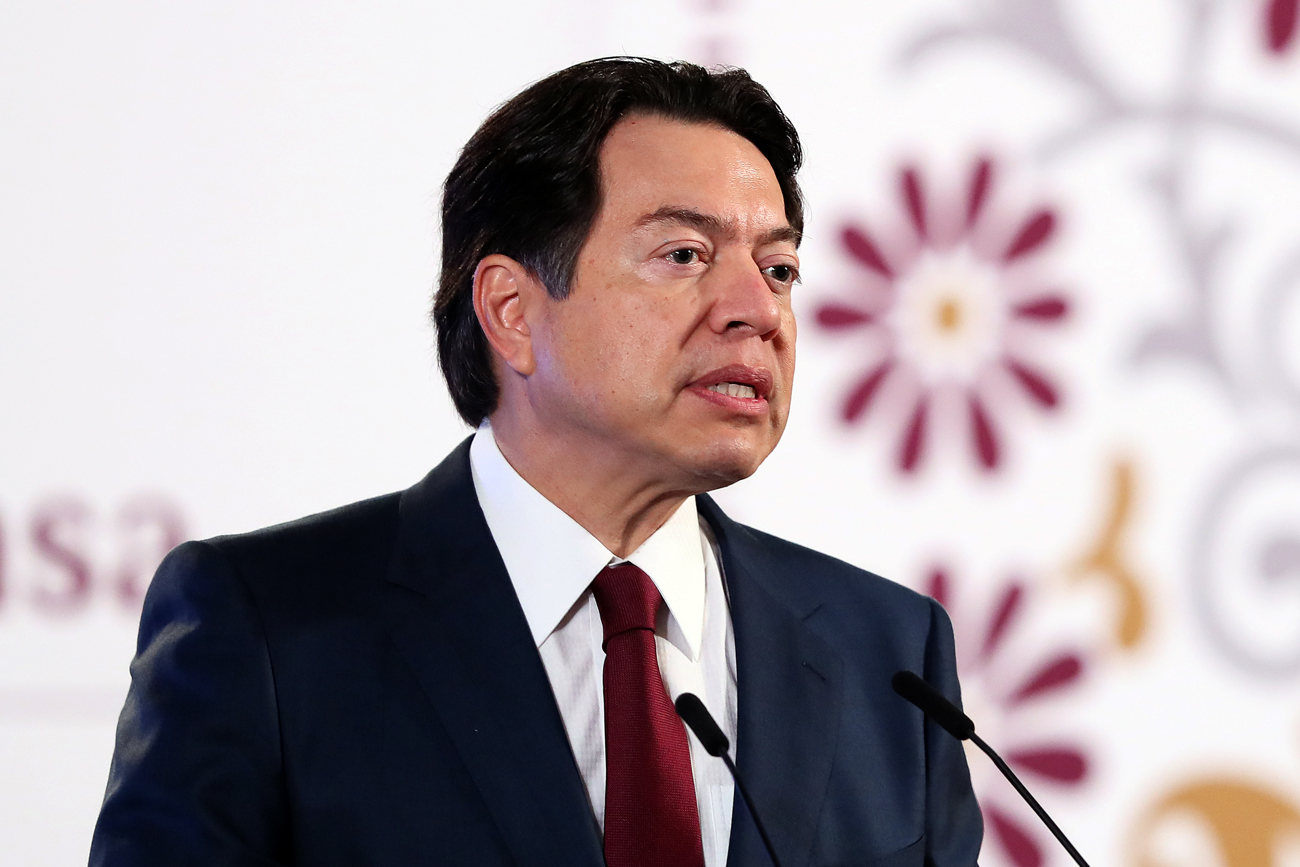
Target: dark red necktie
point(651, 818)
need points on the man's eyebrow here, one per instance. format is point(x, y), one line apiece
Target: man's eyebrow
point(712, 225)
point(706, 223)
point(782, 233)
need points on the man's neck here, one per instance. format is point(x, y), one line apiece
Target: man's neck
point(606, 496)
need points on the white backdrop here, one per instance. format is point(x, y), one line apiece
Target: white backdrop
point(218, 229)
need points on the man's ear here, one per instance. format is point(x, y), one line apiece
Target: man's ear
point(504, 293)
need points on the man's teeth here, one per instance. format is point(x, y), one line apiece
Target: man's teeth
point(734, 389)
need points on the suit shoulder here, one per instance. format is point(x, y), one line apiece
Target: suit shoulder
point(867, 619)
point(823, 576)
point(331, 553)
point(322, 535)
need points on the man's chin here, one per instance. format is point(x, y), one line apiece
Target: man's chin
point(721, 464)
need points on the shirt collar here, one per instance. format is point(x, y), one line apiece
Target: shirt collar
point(552, 559)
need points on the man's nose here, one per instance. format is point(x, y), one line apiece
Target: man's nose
point(745, 301)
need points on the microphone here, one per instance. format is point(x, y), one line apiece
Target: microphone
point(933, 704)
point(715, 743)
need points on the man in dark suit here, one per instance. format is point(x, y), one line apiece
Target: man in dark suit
point(479, 669)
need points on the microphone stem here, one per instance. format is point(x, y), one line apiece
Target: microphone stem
point(1024, 793)
point(753, 814)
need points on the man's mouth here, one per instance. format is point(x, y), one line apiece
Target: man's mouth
point(738, 388)
point(734, 389)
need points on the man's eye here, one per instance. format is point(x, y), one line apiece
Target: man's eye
point(783, 273)
point(684, 256)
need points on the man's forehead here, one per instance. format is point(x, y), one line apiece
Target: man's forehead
point(674, 148)
point(659, 171)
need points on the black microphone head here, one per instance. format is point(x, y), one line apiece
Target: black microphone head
point(933, 704)
point(697, 717)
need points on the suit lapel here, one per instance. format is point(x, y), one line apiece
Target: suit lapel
point(789, 691)
point(468, 643)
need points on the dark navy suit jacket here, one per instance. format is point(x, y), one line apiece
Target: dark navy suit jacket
point(361, 688)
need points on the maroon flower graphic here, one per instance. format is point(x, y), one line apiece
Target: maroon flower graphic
point(1280, 24)
point(992, 705)
point(944, 307)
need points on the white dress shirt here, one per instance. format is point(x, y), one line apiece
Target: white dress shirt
point(552, 561)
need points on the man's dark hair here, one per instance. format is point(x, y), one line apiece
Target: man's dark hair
point(527, 185)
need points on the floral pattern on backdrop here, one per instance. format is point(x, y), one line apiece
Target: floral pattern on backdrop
point(948, 305)
point(981, 663)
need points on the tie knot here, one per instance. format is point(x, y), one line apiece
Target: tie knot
point(627, 599)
